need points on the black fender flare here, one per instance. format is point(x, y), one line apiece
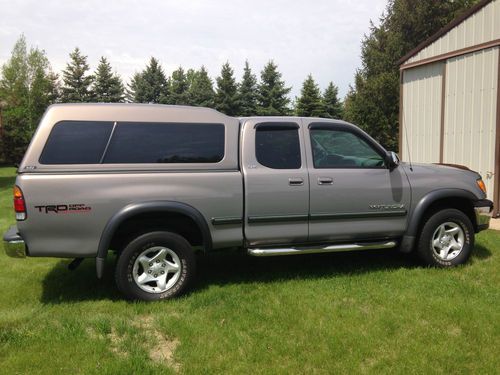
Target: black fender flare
point(145, 207)
point(417, 214)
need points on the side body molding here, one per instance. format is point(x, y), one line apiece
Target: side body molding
point(145, 207)
point(417, 214)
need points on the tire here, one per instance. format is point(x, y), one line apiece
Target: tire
point(154, 266)
point(446, 239)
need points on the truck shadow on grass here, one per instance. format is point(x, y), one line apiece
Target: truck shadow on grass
point(222, 268)
point(61, 285)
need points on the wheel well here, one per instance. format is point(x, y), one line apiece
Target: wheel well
point(461, 204)
point(139, 224)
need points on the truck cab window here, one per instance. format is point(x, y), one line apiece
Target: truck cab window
point(342, 149)
point(277, 146)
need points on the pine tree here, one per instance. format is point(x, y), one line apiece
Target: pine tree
point(226, 94)
point(150, 85)
point(331, 103)
point(108, 86)
point(309, 104)
point(27, 87)
point(201, 91)
point(76, 80)
point(179, 87)
point(248, 92)
point(190, 75)
point(134, 87)
point(54, 87)
point(272, 93)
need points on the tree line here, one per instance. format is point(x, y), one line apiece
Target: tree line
point(28, 84)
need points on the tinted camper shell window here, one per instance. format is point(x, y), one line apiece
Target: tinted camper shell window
point(91, 142)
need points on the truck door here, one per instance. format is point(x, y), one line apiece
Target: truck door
point(354, 195)
point(276, 182)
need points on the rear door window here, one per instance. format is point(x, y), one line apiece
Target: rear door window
point(277, 145)
point(76, 142)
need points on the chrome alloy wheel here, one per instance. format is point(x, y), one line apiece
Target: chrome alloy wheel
point(448, 241)
point(156, 269)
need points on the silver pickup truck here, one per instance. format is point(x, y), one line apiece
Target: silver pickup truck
point(156, 184)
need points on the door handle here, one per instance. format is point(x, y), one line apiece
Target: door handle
point(325, 181)
point(295, 181)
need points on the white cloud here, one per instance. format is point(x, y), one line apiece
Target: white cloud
point(321, 37)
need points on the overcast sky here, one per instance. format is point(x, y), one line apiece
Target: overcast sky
point(320, 37)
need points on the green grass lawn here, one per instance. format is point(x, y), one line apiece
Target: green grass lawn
point(368, 312)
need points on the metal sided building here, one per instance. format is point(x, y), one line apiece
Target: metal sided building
point(450, 97)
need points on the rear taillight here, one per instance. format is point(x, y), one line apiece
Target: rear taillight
point(19, 204)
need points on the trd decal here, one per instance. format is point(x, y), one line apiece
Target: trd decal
point(64, 208)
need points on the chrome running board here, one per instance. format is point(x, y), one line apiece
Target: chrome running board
point(267, 252)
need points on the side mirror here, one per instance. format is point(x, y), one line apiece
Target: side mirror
point(392, 159)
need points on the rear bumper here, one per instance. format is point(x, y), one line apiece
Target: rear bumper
point(14, 244)
point(483, 210)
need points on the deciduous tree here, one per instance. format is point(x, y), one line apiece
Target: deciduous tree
point(27, 87)
point(373, 101)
